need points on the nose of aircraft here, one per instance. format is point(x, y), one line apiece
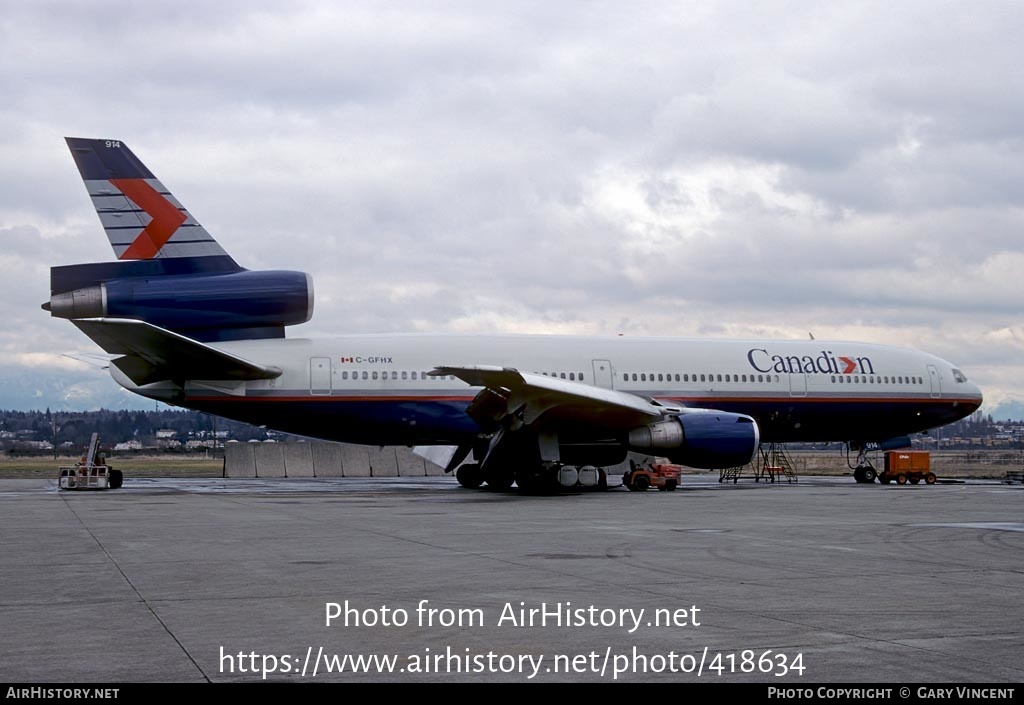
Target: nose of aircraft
point(976, 394)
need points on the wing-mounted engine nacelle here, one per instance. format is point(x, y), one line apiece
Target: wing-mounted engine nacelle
point(239, 304)
point(707, 440)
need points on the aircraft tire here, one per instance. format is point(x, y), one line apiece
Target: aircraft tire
point(116, 479)
point(501, 481)
point(869, 475)
point(469, 476)
point(858, 474)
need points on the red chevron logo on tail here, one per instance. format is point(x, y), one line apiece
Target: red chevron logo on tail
point(166, 218)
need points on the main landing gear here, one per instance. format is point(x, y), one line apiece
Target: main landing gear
point(543, 479)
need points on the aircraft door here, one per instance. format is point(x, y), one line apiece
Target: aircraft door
point(602, 373)
point(935, 381)
point(319, 375)
point(798, 385)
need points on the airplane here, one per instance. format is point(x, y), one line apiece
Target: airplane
point(188, 326)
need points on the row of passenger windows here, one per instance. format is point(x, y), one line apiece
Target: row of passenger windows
point(840, 379)
point(393, 375)
point(668, 377)
point(876, 379)
point(571, 376)
point(648, 377)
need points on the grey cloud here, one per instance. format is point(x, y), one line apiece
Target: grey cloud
point(453, 165)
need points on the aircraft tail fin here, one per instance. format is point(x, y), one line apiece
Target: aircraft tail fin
point(142, 219)
point(169, 272)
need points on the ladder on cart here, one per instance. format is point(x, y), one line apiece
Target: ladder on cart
point(775, 464)
point(88, 474)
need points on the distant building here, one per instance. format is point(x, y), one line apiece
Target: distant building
point(34, 445)
point(129, 445)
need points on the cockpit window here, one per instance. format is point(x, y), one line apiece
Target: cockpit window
point(959, 376)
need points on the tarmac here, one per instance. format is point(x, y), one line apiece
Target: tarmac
point(821, 581)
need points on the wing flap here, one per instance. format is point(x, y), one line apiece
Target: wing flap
point(152, 354)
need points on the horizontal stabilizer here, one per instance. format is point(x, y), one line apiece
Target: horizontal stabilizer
point(152, 354)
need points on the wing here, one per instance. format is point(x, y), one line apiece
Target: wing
point(542, 402)
point(151, 354)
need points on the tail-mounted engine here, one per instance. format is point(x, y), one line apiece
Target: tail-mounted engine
point(203, 305)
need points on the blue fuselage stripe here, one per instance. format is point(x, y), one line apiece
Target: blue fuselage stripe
point(434, 419)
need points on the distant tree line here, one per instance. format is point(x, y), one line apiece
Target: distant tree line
point(72, 429)
point(75, 427)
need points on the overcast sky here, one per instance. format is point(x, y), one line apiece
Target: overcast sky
point(738, 169)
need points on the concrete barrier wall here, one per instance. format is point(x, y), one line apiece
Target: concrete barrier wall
point(409, 464)
point(239, 460)
point(269, 460)
point(298, 460)
point(327, 459)
point(323, 459)
point(355, 460)
point(383, 462)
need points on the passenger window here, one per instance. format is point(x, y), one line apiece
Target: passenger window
point(719, 378)
point(572, 376)
point(394, 375)
point(643, 377)
point(686, 378)
point(563, 375)
point(677, 376)
point(414, 375)
point(405, 375)
point(344, 375)
point(579, 376)
point(375, 375)
point(760, 378)
point(702, 378)
point(660, 378)
point(366, 375)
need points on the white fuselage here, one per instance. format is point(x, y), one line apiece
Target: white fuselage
point(375, 388)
